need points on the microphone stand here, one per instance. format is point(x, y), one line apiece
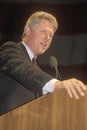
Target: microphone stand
point(57, 73)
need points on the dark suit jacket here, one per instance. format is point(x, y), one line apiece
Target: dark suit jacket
point(19, 79)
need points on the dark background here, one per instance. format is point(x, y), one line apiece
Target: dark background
point(70, 42)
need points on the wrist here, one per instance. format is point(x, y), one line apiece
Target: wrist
point(57, 85)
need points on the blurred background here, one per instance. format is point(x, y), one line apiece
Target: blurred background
point(69, 45)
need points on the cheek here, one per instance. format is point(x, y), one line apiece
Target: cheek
point(36, 39)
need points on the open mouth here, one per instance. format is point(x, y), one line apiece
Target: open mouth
point(43, 44)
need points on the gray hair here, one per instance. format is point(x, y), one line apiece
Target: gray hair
point(36, 18)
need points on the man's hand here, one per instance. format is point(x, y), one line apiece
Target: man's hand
point(74, 87)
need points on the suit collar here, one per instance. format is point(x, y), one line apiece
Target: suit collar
point(24, 49)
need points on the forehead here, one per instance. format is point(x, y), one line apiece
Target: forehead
point(45, 24)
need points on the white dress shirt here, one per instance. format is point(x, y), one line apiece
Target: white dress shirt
point(49, 86)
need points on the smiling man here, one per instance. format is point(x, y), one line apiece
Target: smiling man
point(18, 76)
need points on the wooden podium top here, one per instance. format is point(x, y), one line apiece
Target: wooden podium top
point(56, 111)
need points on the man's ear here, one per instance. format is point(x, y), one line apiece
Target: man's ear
point(27, 30)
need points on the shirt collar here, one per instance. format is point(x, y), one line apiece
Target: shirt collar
point(30, 53)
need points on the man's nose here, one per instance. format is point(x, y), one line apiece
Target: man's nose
point(47, 37)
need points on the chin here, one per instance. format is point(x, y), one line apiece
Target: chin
point(41, 53)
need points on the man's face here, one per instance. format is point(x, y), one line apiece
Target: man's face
point(40, 37)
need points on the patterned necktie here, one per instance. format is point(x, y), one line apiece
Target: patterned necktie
point(35, 63)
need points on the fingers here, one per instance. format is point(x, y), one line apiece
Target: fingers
point(74, 87)
point(71, 88)
point(72, 92)
point(79, 86)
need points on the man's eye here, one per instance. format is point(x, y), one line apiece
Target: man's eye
point(43, 31)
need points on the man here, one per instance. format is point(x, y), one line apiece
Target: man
point(17, 72)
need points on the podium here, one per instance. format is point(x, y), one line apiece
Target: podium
point(55, 111)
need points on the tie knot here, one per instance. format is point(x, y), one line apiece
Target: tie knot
point(33, 60)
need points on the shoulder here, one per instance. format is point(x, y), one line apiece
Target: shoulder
point(10, 48)
point(9, 45)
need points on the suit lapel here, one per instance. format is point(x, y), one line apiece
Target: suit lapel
point(24, 49)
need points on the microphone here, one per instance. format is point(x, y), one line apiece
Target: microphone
point(53, 64)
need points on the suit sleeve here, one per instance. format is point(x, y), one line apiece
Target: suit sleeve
point(17, 65)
